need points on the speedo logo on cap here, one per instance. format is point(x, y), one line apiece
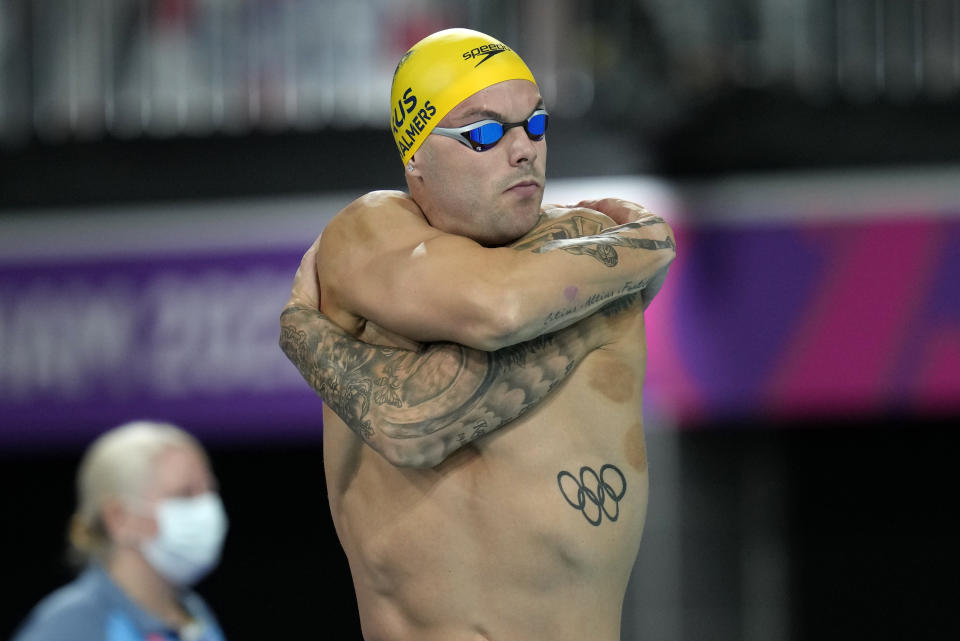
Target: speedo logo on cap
point(484, 52)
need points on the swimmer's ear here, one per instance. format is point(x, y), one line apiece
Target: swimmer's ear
point(412, 168)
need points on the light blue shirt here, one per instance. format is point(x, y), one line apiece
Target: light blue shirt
point(94, 608)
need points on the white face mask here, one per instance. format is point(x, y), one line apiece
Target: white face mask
point(189, 538)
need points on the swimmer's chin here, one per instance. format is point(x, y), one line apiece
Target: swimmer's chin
point(512, 236)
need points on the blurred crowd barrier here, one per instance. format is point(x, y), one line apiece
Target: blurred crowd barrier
point(793, 297)
point(93, 68)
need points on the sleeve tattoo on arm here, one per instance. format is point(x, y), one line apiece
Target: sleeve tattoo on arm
point(438, 398)
point(327, 364)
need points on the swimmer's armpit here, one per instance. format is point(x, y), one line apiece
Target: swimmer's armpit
point(417, 407)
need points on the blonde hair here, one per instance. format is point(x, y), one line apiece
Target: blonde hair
point(117, 465)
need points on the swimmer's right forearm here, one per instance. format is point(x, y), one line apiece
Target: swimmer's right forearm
point(417, 407)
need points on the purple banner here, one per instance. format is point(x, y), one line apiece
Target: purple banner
point(805, 320)
point(188, 338)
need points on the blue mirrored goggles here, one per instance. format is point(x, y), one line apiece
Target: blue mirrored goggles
point(483, 135)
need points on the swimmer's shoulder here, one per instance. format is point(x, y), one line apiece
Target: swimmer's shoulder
point(378, 221)
point(381, 206)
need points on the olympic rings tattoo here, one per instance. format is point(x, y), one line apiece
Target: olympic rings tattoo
point(593, 494)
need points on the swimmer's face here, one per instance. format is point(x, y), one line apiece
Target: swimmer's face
point(491, 196)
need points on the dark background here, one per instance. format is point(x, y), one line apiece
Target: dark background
point(871, 531)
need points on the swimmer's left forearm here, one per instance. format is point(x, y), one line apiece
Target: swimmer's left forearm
point(637, 254)
point(416, 407)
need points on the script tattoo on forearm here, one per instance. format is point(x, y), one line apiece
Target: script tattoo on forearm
point(445, 391)
point(619, 299)
point(585, 236)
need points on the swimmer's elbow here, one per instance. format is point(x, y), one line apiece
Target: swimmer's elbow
point(669, 255)
point(485, 310)
point(412, 453)
point(501, 324)
point(672, 239)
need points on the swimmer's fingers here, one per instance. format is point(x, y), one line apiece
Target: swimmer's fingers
point(621, 211)
point(552, 210)
point(306, 283)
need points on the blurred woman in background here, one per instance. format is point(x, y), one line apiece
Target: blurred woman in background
point(149, 524)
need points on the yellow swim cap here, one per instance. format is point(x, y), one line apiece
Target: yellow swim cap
point(438, 73)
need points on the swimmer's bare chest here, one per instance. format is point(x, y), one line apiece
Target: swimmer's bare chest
point(541, 516)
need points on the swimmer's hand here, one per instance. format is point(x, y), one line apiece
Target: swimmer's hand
point(621, 211)
point(624, 212)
